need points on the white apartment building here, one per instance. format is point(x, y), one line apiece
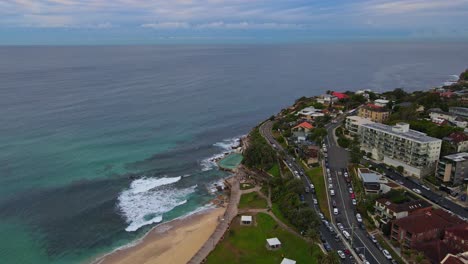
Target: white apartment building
point(353, 124)
point(397, 146)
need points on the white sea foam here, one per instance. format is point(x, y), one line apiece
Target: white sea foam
point(227, 146)
point(148, 199)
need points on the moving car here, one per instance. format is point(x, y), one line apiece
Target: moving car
point(387, 254)
point(425, 187)
point(332, 192)
point(335, 211)
point(330, 186)
point(341, 254)
point(346, 234)
point(340, 226)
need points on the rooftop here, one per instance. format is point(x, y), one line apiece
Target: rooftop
point(288, 261)
point(304, 125)
point(457, 137)
point(309, 110)
point(246, 218)
point(375, 108)
point(340, 95)
point(460, 230)
point(412, 135)
point(359, 120)
point(420, 223)
point(457, 157)
point(403, 207)
point(273, 241)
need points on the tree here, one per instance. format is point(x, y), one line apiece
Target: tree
point(312, 234)
point(318, 134)
point(330, 258)
point(400, 169)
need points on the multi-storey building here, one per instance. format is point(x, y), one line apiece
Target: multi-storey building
point(398, 146)
point(461, 111)
point(353, 124)
point(374, 112)
point(387, 210)
point(453, 169)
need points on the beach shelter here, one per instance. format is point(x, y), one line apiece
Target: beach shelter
point(273, 243)
point(246, 219)
point(288, 261)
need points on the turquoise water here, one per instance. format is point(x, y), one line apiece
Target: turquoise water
point(231, 161)
point(99, 144)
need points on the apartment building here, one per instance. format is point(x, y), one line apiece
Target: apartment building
point(353, 124)
point(374, 112)
point(453, 169)
point(387, 210)
point(398, 146)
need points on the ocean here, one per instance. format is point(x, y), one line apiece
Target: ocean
point(100, 143)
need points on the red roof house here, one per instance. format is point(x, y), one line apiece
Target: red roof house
point(340, 95)
point(304, 125)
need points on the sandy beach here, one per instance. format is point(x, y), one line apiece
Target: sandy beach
point(173, 242)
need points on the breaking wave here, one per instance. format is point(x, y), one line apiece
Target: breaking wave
point(227, 146)
point(147, 199)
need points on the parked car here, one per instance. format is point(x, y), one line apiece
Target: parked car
point(321, 216)
point(346, 234)
point(335, 211)
point(359, 218)
point(425, 187)
point(334, 203)
point(302, 198)
point(400, 182)
point(387, 254)
point(374, 240)
point(327, 246)
point(354, 201)
point(350, 190)
point(332, 192)
point(315, 201)
point(330, 228)
point(307, 189)
point(341, 254)
point(352, 195)
point(340, 226)
point(330, 186)
point(416, 190)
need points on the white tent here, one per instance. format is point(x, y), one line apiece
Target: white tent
point(246, 219)
point(288, 261)
point(273, 242)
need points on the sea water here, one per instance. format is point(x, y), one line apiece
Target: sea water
point(99, 144)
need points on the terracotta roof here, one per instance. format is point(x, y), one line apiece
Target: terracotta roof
point(419, 223)
point(435, 250)
point(340, 95)
point(451, 259)
point(304, 125)
point(460, 230)
point(458, 137)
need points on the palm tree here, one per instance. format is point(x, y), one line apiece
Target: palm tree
point(312, 234)
point(331, 258)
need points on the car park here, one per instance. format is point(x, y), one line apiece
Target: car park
point(387, 254)
point(341, 254)
point(335, 211)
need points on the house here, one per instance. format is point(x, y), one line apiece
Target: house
point(459, 140)
point(353, 124)
point(288, 261)
point(437, 115)
point(374, 112)
point(372, 181)
point(246, 220)
point(273, 243)
point(310, 113)
point(453, 168)
point(340, 95)
point(422, 227)
point(388, 211)
point(399, 145)
point(381, 102)
point(310, 153)
point(302, 130)
point(461, 111)
point(327, 99)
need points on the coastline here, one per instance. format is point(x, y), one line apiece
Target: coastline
point(164, 242)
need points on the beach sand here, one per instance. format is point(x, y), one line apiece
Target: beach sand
point(173, 242)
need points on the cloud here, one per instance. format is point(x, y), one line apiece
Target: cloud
point(221, 25)
point(167, 25)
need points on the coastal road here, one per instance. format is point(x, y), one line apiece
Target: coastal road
point(337, 161)
point(330, 237)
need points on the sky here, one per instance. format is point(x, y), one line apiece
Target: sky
point(72, 22)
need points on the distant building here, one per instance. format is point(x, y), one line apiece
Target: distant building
point(310, 113)
point(302, 130)
point(372, 181)
point(461, 111)
point(397, 146)
point(453, 168)
point(381, 102)
point(388, 211)
point(423, 227)
point(374, 112)
point(459, 140)
point(327, 99)
point(437, 115)
point(340, 95)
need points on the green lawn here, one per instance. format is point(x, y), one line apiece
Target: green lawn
point(246, 244)
point(252, 200)
point(384, 244)
point(316, 177)
point(275, 170)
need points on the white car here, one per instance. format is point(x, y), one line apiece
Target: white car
point(346, 234)
point(341, 254)
point(312, 186)
point(425, 187)
point(330, 180)
point(417, 191)
point(374, 240)
point(346, 174)
point(340, 226)
point(315, 201)
point(328, 170)
point(354, 201)
point(359, 218)
point(350, 190)
point(387, 254)
point(330, 186)
point(321, 216)
point(332, 192)
point(335, 211)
